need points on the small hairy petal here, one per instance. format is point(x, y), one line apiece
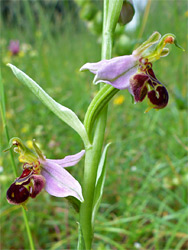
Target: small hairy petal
point(26, 172)
point(151, 73)
point(69, 160)
point(59, 182)
point(138, 86)
point(160, 99)
point(38, 185)
point(25, 177)
point(17, 194)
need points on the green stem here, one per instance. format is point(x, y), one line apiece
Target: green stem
point(29, 235)
point(92, 158)
point(12, 159)
point(97, 110)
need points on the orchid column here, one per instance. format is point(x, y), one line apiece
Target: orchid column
point(93, 158)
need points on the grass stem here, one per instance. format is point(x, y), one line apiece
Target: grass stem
point(3, 114)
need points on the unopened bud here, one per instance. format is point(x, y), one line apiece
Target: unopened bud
point(127, 12)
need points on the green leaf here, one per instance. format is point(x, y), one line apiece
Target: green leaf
point(64, 113)
point(81, 243)
point(74, 202)
point(99, 186)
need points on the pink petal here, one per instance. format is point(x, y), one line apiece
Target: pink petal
point(116, 67)
point(116, 71)
point(93, 67)
point(122, 82)
point(69, 160)
point(59, 182)
point(14, 47)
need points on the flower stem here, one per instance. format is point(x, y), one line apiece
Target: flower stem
point(29, 235)
point(3, 115)
point(93, 154)
point(92, 159)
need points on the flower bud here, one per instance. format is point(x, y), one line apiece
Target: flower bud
point(127, 12)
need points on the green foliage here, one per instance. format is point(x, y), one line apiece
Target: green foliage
point(81, 243)
point(100, 180)
point(145, 194)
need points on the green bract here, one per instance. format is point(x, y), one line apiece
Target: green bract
point(100, 180)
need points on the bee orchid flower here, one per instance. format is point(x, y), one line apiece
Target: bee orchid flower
point(40, 172)
point(134, 72)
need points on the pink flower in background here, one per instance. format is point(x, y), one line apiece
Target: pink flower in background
point(14, 47)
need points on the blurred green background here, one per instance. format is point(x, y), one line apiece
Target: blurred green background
point(144, 204)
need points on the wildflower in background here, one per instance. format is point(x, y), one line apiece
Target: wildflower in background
point(134, 168)
point(1, 165)
point(119, 100)
point(137, 245)
point(13, 52)
point(25, 129)
point(17, 50)
point(26, 48)
point(39, 172)
point(29, 144)
point(9, 114)
point(134, 72)
point(14, 47)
